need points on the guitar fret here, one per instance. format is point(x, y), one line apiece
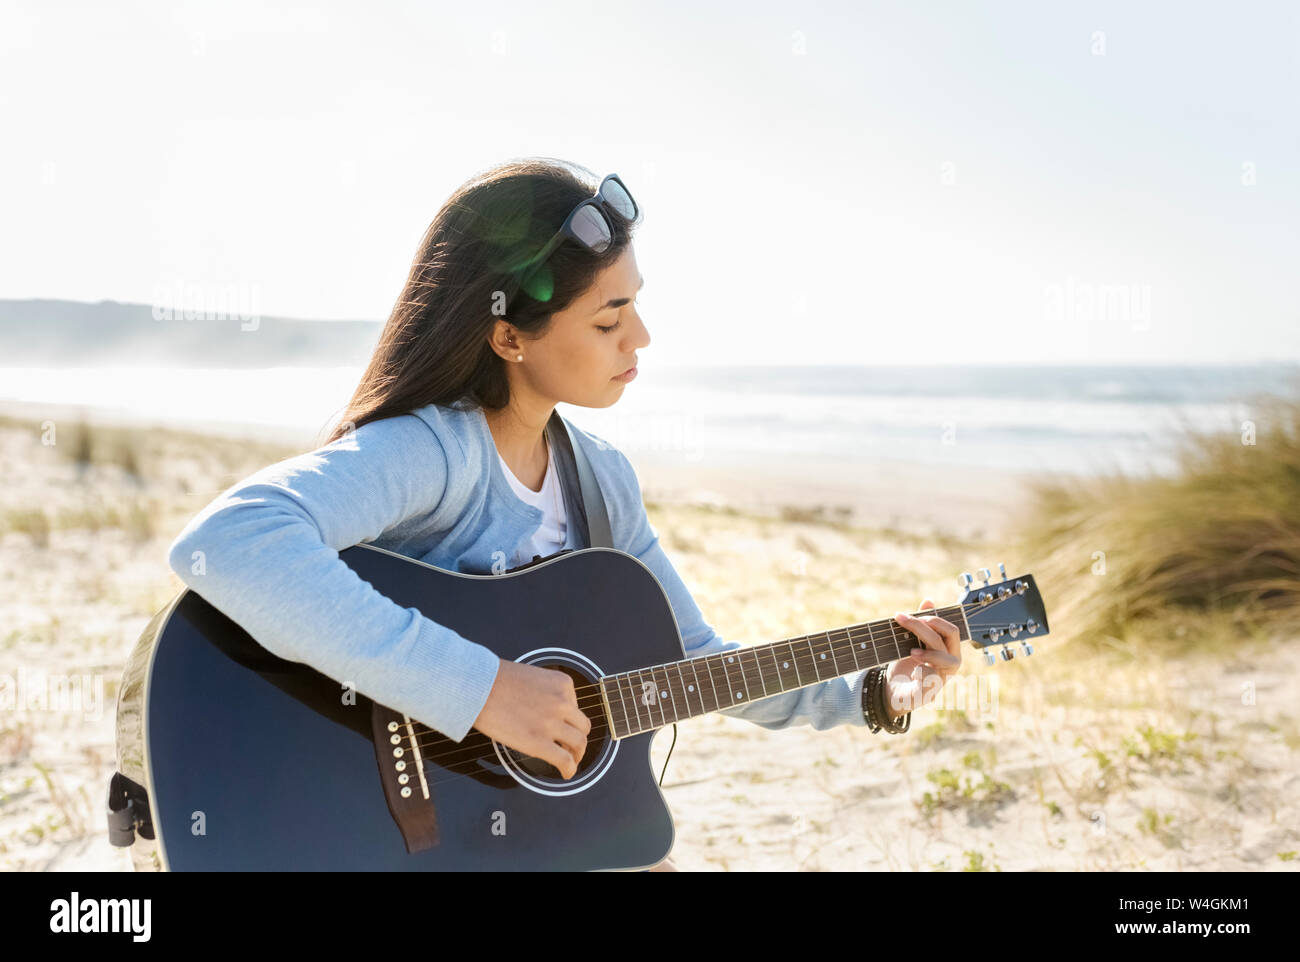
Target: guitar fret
point(894, 635)
point(728, 663)
point(825, 654)
point(853, 650)
point(875, 652)
point(830, 642)
point(684, 687)
point(630, 696)
point(622, 703)
point(653, 691)
point(632, 716)
point(816, 662)
point(637, 688)
point(635, 697)
point(794, 661)
point(758, 664)
point(695, 681)
point(708, 676)
point(776, 671)
point(686, 672)
point(743, 655)
point(667, 689)
point(686, 690)
point(723, 660)
point(722, 692)
point(700, 687)
point(638, 695)
point(737, 660)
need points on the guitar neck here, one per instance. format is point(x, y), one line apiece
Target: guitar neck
point(650, 698)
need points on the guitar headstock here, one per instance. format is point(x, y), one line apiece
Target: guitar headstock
point(1003, 614)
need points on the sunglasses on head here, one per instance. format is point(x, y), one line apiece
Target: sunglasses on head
point(588, 224)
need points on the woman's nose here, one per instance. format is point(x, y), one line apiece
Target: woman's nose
point(638, 334)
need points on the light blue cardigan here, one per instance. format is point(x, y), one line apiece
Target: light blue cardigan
point(426, 485)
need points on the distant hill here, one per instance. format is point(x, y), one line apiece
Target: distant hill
point(54, 333)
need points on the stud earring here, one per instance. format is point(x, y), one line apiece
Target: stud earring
point(519, 357)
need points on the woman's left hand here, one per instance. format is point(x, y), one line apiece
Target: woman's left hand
point(917, 679)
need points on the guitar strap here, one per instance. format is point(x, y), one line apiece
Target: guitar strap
point(589, 507)
point(583, 500)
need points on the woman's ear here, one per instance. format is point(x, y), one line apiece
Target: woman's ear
point(502, 340)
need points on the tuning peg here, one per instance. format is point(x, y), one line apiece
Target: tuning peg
point(1021, 587)
point(1027, 648)
point(1002, 571)
point(985, 575)
point(965, 580)
point(1031, 626)
point(1007, 654)
point(988, 657)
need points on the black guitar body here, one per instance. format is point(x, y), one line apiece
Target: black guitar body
point(256, 763)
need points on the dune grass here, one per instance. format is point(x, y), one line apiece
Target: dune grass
point(1200, 558)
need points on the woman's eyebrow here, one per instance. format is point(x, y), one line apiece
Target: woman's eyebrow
point(618, 301)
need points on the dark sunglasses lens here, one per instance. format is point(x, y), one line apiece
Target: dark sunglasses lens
point(619, 199)
point(590, 226)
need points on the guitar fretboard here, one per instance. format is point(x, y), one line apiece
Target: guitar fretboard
point(650, 698)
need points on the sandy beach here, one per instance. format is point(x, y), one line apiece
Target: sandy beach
point(1062, 761)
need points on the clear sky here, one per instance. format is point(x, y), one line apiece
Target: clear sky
point(850, 182)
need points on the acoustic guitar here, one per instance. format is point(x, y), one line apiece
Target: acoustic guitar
point(230, 758)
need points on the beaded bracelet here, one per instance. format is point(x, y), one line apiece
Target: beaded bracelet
point(874, 707)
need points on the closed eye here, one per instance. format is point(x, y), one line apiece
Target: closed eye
point(607, 328)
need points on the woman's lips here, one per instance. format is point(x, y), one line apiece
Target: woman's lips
point(627, 375)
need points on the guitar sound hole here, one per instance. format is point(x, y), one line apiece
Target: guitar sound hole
point(540, 768)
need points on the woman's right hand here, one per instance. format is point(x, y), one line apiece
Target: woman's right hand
point(535, 711)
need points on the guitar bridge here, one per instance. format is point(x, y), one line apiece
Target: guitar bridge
point(402, 774)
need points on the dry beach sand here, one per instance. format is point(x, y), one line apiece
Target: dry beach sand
point(1055, 762)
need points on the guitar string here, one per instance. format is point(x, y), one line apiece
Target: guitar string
point(492, 754)
point(848, 629)
point(837, 650)
point(811, 663)
point(815, 636)
point(834, 651)
point(602, 727)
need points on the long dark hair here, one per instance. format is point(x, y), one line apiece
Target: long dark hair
point(434, 348)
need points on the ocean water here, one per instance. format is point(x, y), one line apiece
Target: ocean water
point(1076, 419)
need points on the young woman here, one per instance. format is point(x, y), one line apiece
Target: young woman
point(522, 295)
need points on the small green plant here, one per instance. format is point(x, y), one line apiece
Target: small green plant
point(39, 830)
point(947, 722)
point(1159, 750)
point(975, 862)
point(1103, 760)
point(1151, 823)
point(976, 793)
point(930, 734)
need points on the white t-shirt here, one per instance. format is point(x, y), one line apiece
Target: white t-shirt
point(551, 535)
